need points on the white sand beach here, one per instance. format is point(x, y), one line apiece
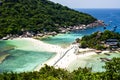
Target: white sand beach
point(47, 47)
point(72, 56)
point(40, 44)
point(63, 57)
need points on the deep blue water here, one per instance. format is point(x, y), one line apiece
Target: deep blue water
point(111, 17)
point(24, 60)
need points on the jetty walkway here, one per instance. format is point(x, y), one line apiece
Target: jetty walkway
point(71, 50)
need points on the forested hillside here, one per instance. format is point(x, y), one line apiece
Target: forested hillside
point(17, 16)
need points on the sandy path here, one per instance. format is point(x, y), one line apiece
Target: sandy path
point(63, 57)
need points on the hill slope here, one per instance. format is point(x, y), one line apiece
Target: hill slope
point(37, 15)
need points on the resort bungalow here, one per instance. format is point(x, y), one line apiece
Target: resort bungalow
point(112, 43)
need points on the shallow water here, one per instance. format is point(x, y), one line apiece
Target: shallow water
point(93, 62)
point(111, 17)
point(62, 40)
point(24, 57)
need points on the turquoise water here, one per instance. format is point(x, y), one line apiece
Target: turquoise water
point(110, 17)
point(62, 39)
point(93, 62)
point(24, 57)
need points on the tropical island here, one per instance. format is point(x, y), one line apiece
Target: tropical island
point(39, 17)
point(55, 72)
point(29, 18)
point(51, 73)
point(107, 40)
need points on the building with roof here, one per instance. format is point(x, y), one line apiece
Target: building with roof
point(112, 43)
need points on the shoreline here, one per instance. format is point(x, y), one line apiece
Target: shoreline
point(45, 46)
point(64, 56)
point(62, 30)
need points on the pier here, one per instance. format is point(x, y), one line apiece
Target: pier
point(65, 57)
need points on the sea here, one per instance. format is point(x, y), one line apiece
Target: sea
point(24, 57)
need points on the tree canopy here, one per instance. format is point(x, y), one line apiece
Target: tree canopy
point(95, 40)
point(37, 15)
point(50, 73)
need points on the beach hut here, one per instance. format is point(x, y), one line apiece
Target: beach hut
point(113, 43)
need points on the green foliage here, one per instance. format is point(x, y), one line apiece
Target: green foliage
point(94, 40)
point(50, 73)
point(37, 15)
point(83, 44)
point(113, 69)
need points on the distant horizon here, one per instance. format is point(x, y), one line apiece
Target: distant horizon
point(95, 8)
point(97, 4)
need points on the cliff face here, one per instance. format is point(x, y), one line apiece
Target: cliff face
point(17, 16)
